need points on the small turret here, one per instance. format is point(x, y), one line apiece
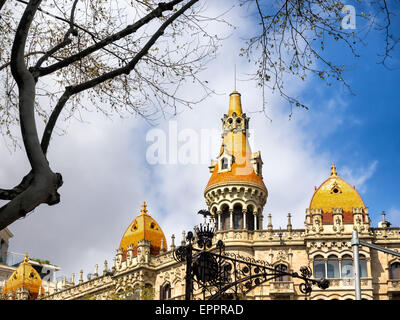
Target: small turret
point(24, 283)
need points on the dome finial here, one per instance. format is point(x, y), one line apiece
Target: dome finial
point(144, 208)
point(26, 258)
point(333, 170)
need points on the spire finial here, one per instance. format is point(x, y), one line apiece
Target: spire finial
point(81, 276)
point(144, 208)
point(333, 170)
point(173, 242)
point(270, 222)
point(289, 224)
point(183, 238)
point(26, 258)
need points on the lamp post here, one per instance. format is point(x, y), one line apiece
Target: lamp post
point(356, 265)
point(356, 242)
point(188, 280)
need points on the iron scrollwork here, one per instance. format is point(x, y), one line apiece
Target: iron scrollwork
point(225, 275)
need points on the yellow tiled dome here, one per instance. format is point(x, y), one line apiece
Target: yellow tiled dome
point(144, 227)
point(24, 277)
point(335, 192)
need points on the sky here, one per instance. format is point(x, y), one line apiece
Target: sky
point(107, 173)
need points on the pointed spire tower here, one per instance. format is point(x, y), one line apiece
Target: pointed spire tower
point(236, 193)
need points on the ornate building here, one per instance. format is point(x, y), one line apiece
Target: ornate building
point(143, 267)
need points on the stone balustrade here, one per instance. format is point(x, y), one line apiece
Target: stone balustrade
point(81, 290)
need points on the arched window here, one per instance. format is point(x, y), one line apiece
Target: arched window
point(319, 267)
point(225, 219)
point(333, 267)
point(250, 218)
point(224, 163)
point(165, 292)
point(237, 217)
point(395, 271)
point(347, 267)
point(284, 268)
point(258, 221)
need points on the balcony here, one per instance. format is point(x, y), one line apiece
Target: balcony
point(281, 289)
point(348, 284)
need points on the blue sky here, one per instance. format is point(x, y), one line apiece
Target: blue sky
point(107, 176)
point(369, 132)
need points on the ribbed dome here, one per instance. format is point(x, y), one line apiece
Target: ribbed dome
point(334, 193)
point(144, 227)
point(24, 277)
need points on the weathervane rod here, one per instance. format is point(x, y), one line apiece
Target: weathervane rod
point(235, 77)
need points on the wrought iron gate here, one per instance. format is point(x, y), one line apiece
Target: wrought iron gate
point(217, 274)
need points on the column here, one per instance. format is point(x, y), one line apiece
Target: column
point(230, 218)
point(105, 269)
point(219, 212)
point(244, 219)
point(96, 271)
point(255, 221)
point(81, 277)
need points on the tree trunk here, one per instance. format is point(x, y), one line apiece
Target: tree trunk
point(45, 183)
point(2, 2)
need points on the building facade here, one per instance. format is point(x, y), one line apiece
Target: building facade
point(5, 269)
point(145, 268)
point(21, 277)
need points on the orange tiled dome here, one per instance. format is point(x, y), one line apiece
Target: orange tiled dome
point(144, 227)
point(335, 192)
point(236, 144)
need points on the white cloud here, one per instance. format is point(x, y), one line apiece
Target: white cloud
point(359, 176)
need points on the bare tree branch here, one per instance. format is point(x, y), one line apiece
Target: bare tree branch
point(41, 184)
point(156, 13)
point(66, 41)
